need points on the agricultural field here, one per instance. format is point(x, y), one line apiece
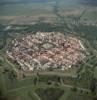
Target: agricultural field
point(77, 83)
point(32, 12)
point(74, 81)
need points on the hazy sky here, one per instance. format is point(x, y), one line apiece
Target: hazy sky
point(20, 0)
point(92, 2)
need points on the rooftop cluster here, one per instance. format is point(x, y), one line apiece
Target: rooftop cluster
point(45, 50)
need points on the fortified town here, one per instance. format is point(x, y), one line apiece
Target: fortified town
point(45, 50)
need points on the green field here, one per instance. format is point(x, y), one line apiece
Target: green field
point(75, 82)
point(25, 9)
point(71, 84)
point(31, 12)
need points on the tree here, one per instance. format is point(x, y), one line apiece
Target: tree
point(35, 80)
point(12, 75)
point(2, 96)
point(93, 86)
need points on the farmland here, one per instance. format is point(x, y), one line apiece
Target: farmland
point(78, 82)
point(14, 83)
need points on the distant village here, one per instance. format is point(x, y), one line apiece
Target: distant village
point(46, 50)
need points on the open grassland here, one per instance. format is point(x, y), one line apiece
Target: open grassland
point(33, 12)
point(25, 9)
point(44, 92)
point(26, 13)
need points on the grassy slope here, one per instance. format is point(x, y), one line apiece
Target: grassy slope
point(24, 9)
